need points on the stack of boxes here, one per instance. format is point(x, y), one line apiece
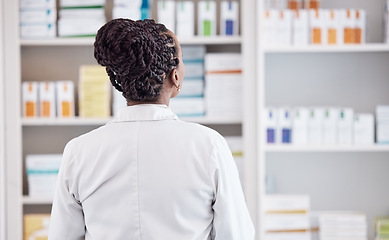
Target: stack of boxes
point(36, 226)
point(342, 226)
point(42, 171)
point(38, 19)
point(382, 124)
point(190, 100)
point(287, 217)
point(94, 92)
point(223, 81)
point(127, 9)
point(80, 18)
point(382, 228)
point(48, 99)
point(318, 27)
point(318, 126)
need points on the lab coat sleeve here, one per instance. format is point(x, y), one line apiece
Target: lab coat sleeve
point(231, 217)
point(67, 219)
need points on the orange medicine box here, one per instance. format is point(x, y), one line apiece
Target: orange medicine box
point(360, 26)
point(47, 99)
point(36, 226)
point(318, 34)
point(30, 99)
point(349, 25)
point(333, 27)
point(65, 98)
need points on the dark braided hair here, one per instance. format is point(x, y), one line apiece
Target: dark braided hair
point(138, 55)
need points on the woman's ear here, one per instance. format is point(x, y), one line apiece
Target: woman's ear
point(174, 77)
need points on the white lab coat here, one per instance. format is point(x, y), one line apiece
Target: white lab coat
point(147, 175)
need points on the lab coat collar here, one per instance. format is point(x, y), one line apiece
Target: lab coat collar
point(144, 112)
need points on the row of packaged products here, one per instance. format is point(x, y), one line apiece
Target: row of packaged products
point(57, 99)
point(325, 126)
point(291, 217)
point(212, 87)
point(292, 4)
point(83, 18)
point(304, 27)
point(179, 16)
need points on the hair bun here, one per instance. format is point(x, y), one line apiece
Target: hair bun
point(137, 56)
point(131, 54)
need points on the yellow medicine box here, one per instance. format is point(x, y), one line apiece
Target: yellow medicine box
point(36, 226)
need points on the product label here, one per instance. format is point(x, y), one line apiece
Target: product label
point(207, 28)
point(270, 135)
point(66, 109)
point(30, 109)
point(286, 135)
point(349, 35)
point(45, 109)
point(229, 27)
point(332, 36)
point(358, 35)
point(316, 36)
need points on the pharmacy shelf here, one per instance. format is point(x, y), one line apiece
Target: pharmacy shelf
point(334, 49)
point(88, 41)
point(352, 148)
point(26, 200)
point(77, 121)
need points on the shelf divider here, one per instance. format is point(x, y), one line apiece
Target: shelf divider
point(88, 41)
point(77, 121)
point(370, 47)
point(351, 148)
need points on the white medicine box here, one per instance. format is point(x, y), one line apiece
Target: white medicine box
point(300, 34)
point(166, 14)
point(42, 171)
point(185, 19)
point(229, 18)
point(300, 118)
point(207, 18)
point(47, 99)
point(37, 4)
point(270, 120)
point(284, 126)
point(330, 126)
point(345, 126)
point(318, 26)
point(348, 25)
point(30, 99)
point(364, 129)
point(284, 27)
point(65, 98)
point(334, 33)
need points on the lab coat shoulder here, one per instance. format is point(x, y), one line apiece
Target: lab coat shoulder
point(206, 133)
